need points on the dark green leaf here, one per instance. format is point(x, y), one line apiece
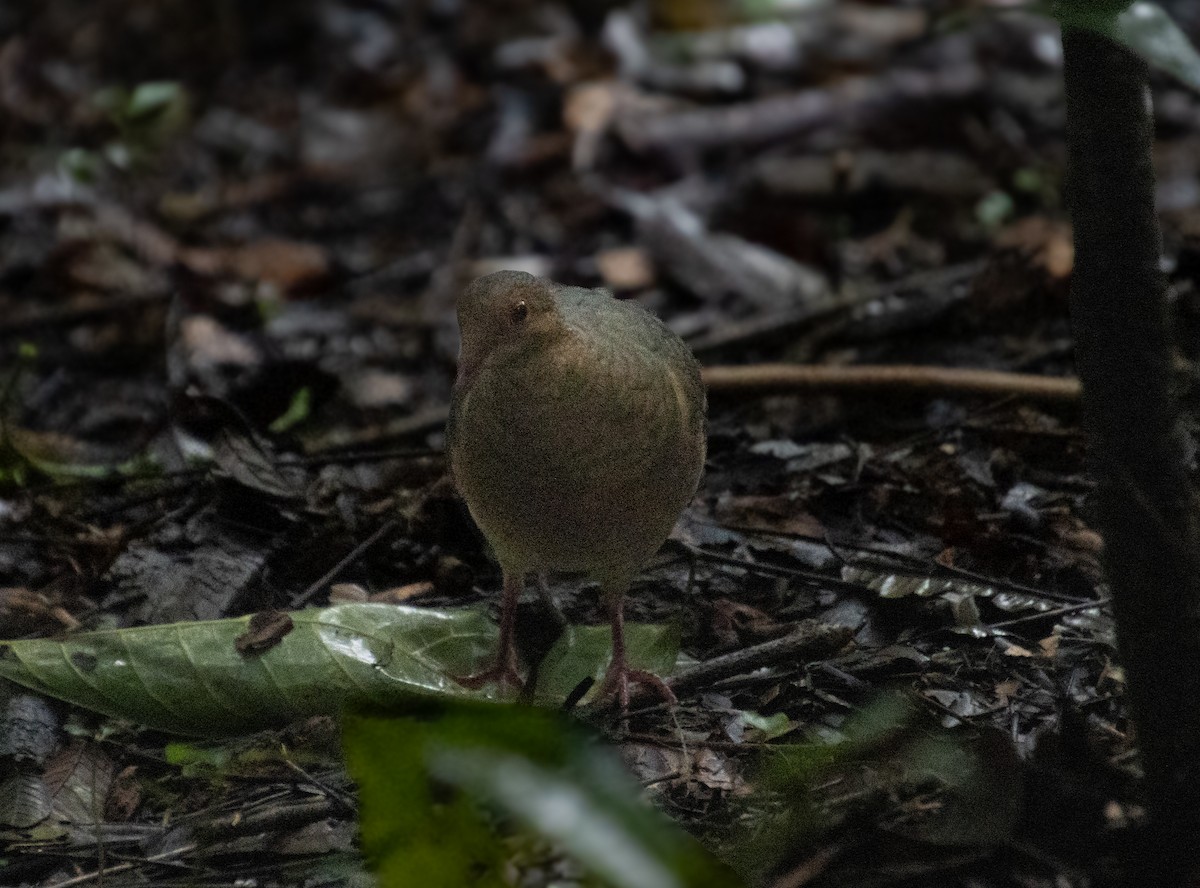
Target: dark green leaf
point(531, 768)
point(409, 834)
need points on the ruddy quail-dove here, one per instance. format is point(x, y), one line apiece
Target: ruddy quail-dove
point(576, 437)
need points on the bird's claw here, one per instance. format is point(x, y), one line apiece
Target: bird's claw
point(502, 675)
point(617, 681)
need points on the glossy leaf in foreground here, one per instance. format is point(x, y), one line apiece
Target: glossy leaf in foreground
point(445, 798)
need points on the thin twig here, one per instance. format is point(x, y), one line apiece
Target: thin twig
point(811, 640)
point(311, 592)
point(838, 312)
point(1057, 612)
point(124, 867)
point(342, 800)
point(420, 423)
point(765, 379)
point(798, 378)
point(807, 870)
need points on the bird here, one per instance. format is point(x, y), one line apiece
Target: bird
point(576, 438)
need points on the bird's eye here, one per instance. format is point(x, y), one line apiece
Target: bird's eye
point(520, 311)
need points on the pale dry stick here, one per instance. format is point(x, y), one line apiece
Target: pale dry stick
point(84, 878)
point(809, 869)
point(804, 378)
point(799, 379)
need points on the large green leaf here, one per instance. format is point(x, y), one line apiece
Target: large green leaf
point(583, 652)
point(190, 678)
point(1144, 28)
point(428, 784)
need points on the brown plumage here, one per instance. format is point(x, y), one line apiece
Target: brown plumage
point(576, 437)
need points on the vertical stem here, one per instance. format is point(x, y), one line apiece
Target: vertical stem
point(1145, 506)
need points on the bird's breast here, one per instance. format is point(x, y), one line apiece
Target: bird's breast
point(569, 461)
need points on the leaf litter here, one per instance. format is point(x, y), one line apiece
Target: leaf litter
point(226, 278)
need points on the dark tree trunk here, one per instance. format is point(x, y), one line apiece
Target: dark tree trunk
point(1145, 505)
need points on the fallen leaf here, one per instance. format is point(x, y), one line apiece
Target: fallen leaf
point(776, 514)
point(207, 343)
point(625, 268)
point(589, 107)
point(1006, 690)
point(347, 592)
point(265, 630)
point(398, 594)
point(290, 265)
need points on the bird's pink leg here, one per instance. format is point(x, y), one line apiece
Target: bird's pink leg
point(504, 672)
point(619, 676)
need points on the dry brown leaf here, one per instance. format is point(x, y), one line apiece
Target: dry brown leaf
point(125, 797)
point(290, 265)
point(590, 107)
point(348, 592)
point(399, 594)
point(777, 514)
point(734, 622)
point(625, 268)
point(208, 343)
point(265, 630)
point(1006, 690)
point(1045, 241)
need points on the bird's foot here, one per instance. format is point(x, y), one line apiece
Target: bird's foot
point(618, 679)
point(503, 674)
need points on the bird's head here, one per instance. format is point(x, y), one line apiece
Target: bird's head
point(503, 313)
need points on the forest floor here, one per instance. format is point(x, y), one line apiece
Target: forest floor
point(230, 246)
